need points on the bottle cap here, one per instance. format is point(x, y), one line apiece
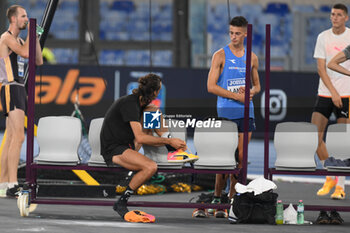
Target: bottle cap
point(279, 201)
point(300, 200)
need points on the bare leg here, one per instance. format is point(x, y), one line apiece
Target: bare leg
point(321, 122)
point(233, 180)
point(220, 181)
point(4, 157)
point(135, 161)
point(16, 133)
point(145, 168)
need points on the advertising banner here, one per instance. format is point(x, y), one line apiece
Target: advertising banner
point(183, 95)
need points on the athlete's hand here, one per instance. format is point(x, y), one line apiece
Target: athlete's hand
point(336, 99)
point(241, 90)
point(240, 97)
point(177, 143)
point(251, 95)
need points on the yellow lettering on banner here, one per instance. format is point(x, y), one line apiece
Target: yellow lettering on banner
point(50, 85)
point(68, 86)
point(91, 94)
point(58, 90)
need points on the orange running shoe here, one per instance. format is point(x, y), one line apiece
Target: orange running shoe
point(180, 156)
point(200, 213)
point(221, 213)
point(139, 216)
point(339, 193)
point(327, 186)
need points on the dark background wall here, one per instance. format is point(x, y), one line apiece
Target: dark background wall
point(292, 94)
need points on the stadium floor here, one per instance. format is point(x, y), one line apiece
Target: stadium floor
point(85, 219)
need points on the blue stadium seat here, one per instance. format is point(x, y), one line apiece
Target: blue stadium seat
point(112, 57)
point(303, 8)
point(162, 58)
point(113, 35)
point(123, 5)
point(218, 40)
point(252, 12)
point(274, 20)
point(325, 8)
point(288, 22)
point(66, 56)
point(139, 36)
point(137, 58)
point(277, 8)
point(317, 25)
point(69, 5)
point(39, 4)
point(217, 24)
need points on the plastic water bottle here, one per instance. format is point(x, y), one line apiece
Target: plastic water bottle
point(279, 212)
point(39, 30)
point(300, 211)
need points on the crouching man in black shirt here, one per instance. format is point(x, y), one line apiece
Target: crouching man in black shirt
point(122, 136)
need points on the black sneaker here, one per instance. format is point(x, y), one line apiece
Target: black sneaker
point(335, 218)
point(14, 191)
point(323, 218)
point(120, 208)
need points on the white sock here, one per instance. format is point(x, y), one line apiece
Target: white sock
point(322, 162)
point(11, 184)
point(341, 181)
point(3, 185)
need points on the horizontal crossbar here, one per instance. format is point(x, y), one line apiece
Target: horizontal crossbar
point(93, 168)
point(317, 172)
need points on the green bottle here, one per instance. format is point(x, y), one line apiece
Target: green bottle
point(300, 213)
point(279, 212)
point(39, 30)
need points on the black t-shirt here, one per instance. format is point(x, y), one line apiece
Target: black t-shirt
point(116, 129)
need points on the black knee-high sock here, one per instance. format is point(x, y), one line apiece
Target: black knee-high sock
point(126, 195)
point(120, 205)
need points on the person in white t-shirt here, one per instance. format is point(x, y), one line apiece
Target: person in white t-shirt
point(333, 89)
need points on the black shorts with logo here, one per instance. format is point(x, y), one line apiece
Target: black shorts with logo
point(325, 106)
point(12, 97)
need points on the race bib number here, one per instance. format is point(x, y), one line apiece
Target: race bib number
point(20, 62)
point(233, 85)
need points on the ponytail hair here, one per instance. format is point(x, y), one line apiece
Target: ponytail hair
point(148, 85)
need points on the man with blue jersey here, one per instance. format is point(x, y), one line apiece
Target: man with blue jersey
point(226, 79)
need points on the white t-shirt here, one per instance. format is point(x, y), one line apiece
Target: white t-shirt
point(327, 46)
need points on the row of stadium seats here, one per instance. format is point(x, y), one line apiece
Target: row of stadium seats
point(135, 58)
point(118, 57)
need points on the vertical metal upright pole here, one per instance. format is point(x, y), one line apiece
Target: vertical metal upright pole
point(246, 104)
point(31, 90)
point(267, 99)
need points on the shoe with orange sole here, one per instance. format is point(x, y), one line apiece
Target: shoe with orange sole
point(327, 186)
point(338, 194)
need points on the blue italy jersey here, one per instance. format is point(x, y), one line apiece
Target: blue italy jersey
point(231, 79)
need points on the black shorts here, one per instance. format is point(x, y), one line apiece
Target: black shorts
point(117, 150)
point(325, 106)
point(240, 124)
point(12, 97)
